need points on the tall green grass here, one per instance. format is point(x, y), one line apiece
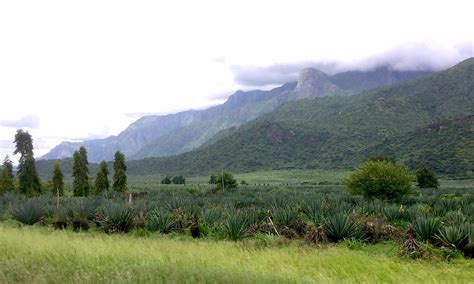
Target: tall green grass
point(41, 255)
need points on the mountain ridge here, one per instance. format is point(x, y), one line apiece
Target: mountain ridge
point(164, 135)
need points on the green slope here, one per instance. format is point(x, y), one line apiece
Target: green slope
point(341, 132)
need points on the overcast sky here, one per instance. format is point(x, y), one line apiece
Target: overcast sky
point(72, 70)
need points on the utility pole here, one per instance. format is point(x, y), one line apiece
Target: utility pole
point(222, 180)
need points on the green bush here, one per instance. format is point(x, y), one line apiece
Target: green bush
point(380, 179)
point(425, 228)
point(340, 226)
point(426, 178)
point(228, 180)
point(161, 222)
point(235, 227)
point(29, 212)
point(455, 236)
point(118, 218)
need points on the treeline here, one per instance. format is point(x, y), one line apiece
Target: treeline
point(28, 182)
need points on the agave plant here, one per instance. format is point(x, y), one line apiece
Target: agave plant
point(60, 217)
point(235, 226)
point(162, 222)
point(314, 211)
point(29, 212)
point(392, 213)
point(454, 236)
point(426, 227)
point(454, 218)
point(340, 226)
point(81, 211)
point(118, 218)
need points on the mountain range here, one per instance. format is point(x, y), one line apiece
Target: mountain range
point(166, 135)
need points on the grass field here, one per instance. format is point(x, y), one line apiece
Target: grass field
point(41, 255)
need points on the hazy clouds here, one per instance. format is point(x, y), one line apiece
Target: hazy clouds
point(28, 121)
point(420, 56)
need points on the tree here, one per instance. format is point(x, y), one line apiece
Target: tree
point(227, 179)
point(213, 179)
point(28, 179)
point(179, 180)
point(380, 179)
point(120, 169)
point(80, 172)
point(426, 178)
point(166, 180)
point(57, 179)
point(7, 179)
point(102, 178)
point(382, 158)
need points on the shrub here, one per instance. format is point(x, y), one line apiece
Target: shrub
point(166, 180)
point(161, 222)
point(426, 178)
point(178, 180)
point(454, 236)
point(425, 228)
point(380, 179)
point(340, 226)
point(29, 212)
point(235, 227)
point(228, 180)
point(118, 218)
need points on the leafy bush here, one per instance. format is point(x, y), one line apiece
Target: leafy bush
point(228, 180)
point(380, 179)
point(29, 212)
point(426, 228)
point(118, 218)
point(235, 227)
point(426, 178)
point(161, 222)
point(340, 226)
point(455, 236)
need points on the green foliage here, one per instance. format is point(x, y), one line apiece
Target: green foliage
point(29, 212)
point(380, 180)
point(161, 222)
point(235, 226)
point(7, 179)
point(225, 179)
point(179, 180)
point(57, 181)
point(28, 180)
point(341, 132)
point(426, 228)
point(120, 176)
point(455, 236)
point(341, 226)
point(426, 178)
point(102, 179)
point(383, 158)
point(166, 180)
point(212, 179)
point(80, 172)
point(118, 218)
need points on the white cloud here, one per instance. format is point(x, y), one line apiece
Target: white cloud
point(80, 66)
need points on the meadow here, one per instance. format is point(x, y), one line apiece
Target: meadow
point(42, 255)
point(282, 226)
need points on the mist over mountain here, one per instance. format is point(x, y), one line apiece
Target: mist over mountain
point(164, 135)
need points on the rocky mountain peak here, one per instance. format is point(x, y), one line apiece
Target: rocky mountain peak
point(313, 83)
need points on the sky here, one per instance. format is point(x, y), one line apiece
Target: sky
point(75, 70)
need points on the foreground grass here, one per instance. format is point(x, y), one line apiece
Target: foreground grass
point(42, 255)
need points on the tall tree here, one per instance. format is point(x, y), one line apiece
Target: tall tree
point(57, 180)
point(80, 172)
point(102, 178)
point(120, 169)
point(28, 179)
point(7, 179)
